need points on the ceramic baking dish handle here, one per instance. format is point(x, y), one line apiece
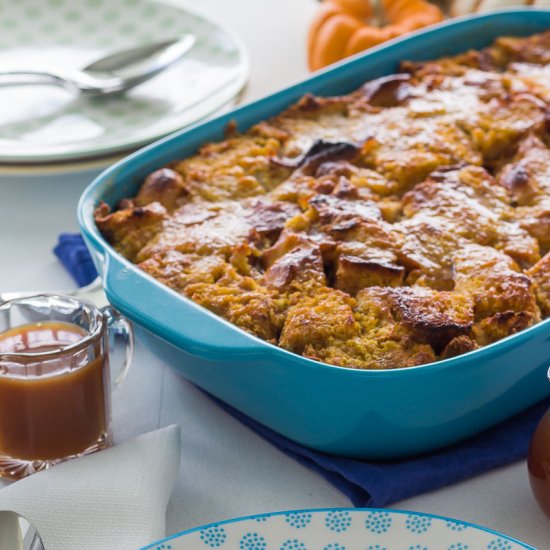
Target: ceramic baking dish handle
point(171, 316)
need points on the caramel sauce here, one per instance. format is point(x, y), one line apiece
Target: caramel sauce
point(51, 407)
point(538, 463)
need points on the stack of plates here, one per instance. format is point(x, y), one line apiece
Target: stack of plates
point(48, 129)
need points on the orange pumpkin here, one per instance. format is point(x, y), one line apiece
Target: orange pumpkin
point(342, 27)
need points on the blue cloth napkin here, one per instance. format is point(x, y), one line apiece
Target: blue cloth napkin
point(370, 484)
point(367, 483)
point(74, 255)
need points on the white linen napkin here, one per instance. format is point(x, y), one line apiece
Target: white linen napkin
point(111, 500)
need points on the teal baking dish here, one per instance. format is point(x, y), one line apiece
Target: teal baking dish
point(370, 414)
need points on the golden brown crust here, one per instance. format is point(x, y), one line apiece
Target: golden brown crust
point(328, 315)
point(527, 182)
point(472, 208)
point(164, 186)
point(504, 298)
point(397, 225)
point(131, 228)
point(533, 49)
point(354, 273)
point(540, 275)
point(459, 345)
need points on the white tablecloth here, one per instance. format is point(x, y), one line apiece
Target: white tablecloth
point(226, 470)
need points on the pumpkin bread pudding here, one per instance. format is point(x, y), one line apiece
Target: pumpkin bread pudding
point(404, 223)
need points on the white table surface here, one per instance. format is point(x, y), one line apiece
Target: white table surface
point(226, 470)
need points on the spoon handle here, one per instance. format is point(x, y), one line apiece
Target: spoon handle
point(10, 531)
point(18, 78)
point(33, 541)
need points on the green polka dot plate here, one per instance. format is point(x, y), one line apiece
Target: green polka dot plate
point(41, 124)
point(340, 529)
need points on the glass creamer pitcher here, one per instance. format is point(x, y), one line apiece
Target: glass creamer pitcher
point(55, 381)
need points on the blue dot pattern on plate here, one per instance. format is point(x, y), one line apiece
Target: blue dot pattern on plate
point(418, 524)
point(252, 541)
point(342, 529)
point(378, 522)
point(293, 544)
point(499, 544)
point(298, 519)
point(213, 536)
point(338, 521)
point(456, 525)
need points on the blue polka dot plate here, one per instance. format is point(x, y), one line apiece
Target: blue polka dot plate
point(40, 124)
point(340, 529)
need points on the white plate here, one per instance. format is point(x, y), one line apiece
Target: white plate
point(35, 172)
point(43, 124)
point(340, 529)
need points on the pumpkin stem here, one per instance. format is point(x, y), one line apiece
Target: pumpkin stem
point(379, 13)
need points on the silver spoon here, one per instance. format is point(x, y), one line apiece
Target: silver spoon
point(16, 533)
point(112, 74)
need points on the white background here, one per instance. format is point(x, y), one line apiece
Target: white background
point(226, 470)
